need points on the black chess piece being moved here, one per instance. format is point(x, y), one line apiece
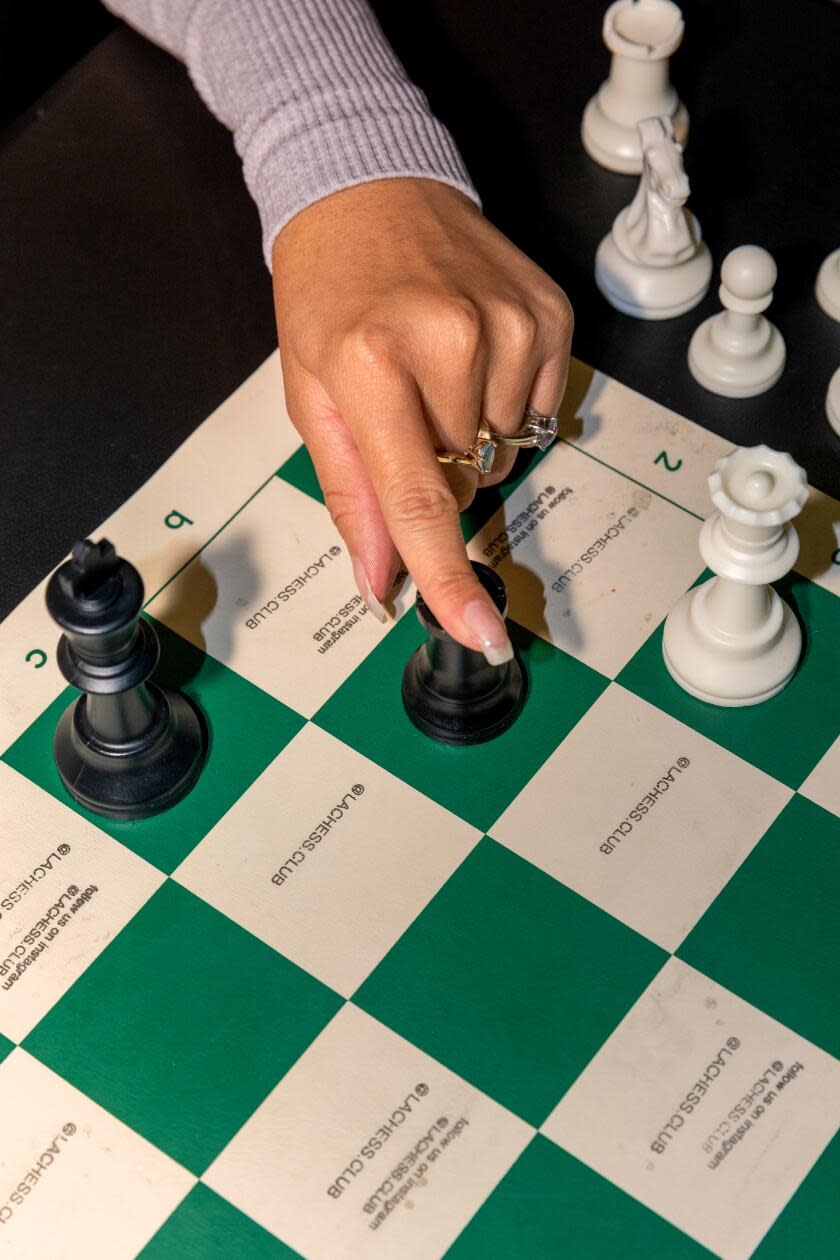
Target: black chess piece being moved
point(126, 748)
point(453, 694)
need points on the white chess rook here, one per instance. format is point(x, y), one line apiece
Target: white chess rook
point(641, 35)
point(828, 285)
point(733, 641)
point(653, 263)
point(738, 353)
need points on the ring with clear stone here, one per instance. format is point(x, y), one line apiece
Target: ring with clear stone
point(479, 455)
point(538, 430)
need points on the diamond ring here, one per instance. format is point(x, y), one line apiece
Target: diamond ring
point(538, 430)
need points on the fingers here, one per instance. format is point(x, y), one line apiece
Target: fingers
point(502, 464)
point(374, 426)
point(386, 417)
point(530, 370)
point(549, 384)
point(517, 355)
point(348, 493)
point(463, 483)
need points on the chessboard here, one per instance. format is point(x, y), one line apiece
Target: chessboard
point(572, 992)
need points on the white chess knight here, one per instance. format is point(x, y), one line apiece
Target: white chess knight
point(733, 641)
point(653, 263)
point(641, 35)
point(738, 353)
point(828, 285)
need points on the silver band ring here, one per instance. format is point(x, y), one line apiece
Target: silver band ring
point(538, 430)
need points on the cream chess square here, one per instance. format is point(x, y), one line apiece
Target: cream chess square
point(703, 1108)
point(274, 598)
point(50, 857)
point(368, 1148)
point(75, 1181)
point(819, 541)
point(592, 562)
point(823, 783)
point(656, 446)
point(641, 815)
point(327, 858)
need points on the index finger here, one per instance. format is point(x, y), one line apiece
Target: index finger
point(385, 415)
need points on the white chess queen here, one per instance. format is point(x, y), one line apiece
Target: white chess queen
point(733, 641)
point(654, 264)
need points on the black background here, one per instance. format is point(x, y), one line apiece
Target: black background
point(134, 298)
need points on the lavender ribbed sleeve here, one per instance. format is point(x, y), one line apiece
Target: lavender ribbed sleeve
point(312, 91)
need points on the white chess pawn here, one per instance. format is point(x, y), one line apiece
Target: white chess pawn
point(653, 263)
point(733, 641)
point(641, 35)
point(832, 402)
point(738, 352)
point(828, 285)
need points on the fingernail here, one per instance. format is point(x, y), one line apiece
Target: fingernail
point(489, 628)
point(367, 594)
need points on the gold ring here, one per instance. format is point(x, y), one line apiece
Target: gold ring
point(480, 455)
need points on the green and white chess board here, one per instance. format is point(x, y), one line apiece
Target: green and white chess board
point(573, 993)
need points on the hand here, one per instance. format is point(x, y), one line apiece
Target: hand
point(404, 318)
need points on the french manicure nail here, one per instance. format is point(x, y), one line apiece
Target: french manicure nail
point(367, 594)
point(489, 628)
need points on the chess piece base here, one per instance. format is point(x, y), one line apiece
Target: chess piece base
point(138, 778)
point(731, 374)
point(458, 722)
point(615, 145)
point(832, 402)
point(730, 674)
point(647, 292)
point(828, 285)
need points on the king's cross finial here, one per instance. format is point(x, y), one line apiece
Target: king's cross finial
point(91, 565)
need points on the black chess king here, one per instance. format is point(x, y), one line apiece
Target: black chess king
point(126, 748)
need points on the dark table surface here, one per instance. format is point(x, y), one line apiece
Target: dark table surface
point(134, 297)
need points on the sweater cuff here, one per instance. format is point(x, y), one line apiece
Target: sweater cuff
point(285, 174)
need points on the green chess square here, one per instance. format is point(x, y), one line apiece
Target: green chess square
point(206, 1227)
point(477, 783)
point(300, 472)
point(247, 729)
point(163, 1029)
point(506, 966)
point(807, 1226)
point(549, 1204)
point(6, 1047)
point(771, 935)
point(785, 736)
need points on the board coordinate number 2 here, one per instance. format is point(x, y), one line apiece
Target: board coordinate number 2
point(662, 458)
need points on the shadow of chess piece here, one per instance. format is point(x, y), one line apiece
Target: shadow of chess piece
point(126, 748)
